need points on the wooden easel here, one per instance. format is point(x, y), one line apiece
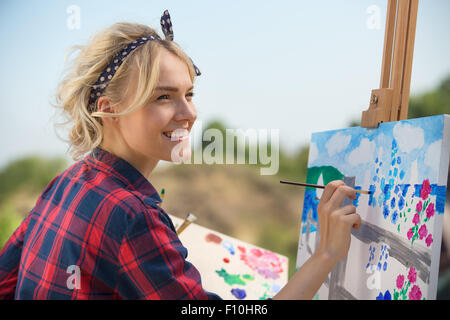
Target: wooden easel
point(390, 102)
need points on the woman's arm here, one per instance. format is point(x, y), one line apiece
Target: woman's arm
point(335, 225)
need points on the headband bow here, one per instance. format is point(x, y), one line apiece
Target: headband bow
point(116, 62)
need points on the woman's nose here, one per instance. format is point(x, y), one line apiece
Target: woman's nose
point(186, 112)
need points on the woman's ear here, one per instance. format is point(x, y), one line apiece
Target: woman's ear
point(104, 105)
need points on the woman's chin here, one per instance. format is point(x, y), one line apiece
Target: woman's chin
point(180, 153)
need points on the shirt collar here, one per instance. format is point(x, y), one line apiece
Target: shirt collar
point(123, 170)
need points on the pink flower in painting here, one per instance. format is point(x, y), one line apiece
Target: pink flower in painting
point(426, 189)
point(419, 206)
point(416, 219)
point(410, 234)
point(415, 293)
point(400, 281)
point(429, 240)
point(430, 210)
point(423, 231)
point(412, 275)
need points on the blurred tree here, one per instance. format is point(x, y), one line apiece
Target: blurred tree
point(32, 173)
point(430, 103)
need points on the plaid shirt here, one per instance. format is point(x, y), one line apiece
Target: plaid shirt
point(97, 232)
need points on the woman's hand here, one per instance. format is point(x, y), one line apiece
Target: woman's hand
point(335, 222)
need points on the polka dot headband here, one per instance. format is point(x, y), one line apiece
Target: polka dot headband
point(106, 76)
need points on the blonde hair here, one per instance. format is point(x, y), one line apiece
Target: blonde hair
point(72, 94)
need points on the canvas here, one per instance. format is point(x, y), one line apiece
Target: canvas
point(231, 268)
point(395, 253)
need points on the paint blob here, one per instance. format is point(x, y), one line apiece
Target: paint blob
point(265, 262)
point(238, 293)
point(230, 279)
point(211, 237)
point(229, 246)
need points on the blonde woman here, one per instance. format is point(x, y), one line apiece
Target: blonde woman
point(96, 231)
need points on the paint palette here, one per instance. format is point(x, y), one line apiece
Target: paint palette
point(231, 268)
point(395, 253)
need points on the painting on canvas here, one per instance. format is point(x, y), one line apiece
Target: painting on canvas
point(232, 268)
point(395, 254)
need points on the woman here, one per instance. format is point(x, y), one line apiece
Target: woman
point(96, 231)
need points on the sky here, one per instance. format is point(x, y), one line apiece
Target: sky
point(297, 66)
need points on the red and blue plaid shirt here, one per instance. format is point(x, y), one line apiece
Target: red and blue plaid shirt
point(97, 232)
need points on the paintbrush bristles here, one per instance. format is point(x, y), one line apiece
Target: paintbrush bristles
point(189, 219)
point(318, 186)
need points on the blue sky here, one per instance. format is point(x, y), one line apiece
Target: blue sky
point(297, 66)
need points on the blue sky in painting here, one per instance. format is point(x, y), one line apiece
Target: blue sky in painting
point(354, 151)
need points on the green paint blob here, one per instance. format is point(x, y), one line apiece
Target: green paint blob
point(230, 279)
point(248, 277)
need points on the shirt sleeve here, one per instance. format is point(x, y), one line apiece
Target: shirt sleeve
point(9, 262)
point(152, 261)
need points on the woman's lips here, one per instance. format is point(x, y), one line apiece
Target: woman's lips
point(177, 135)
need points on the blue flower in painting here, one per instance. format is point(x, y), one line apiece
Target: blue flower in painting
point(402, 174)
point(376, 160)
point(385, 266)
point(394, 217)
point(394, 144)
point(395, 172)
point(401, 203)
point(399, 160)
point(386, 296)
point(385, 211)
point(405, 189)
point(393, 203)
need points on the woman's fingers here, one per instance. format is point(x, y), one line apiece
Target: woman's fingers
point(349, 209)
point(339, 195)
point(353, 220)
point(329, 190)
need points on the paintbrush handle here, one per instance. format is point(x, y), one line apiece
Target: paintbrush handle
point(317, 186)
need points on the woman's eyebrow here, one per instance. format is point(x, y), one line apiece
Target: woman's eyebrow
point(174, 89)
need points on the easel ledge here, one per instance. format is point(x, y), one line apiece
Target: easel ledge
point(390, 102)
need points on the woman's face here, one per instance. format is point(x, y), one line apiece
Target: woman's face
point(160, 129)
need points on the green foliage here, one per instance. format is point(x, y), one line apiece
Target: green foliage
point(9, 221)
point(25, 176)
point(431, 103)
point(32, 173)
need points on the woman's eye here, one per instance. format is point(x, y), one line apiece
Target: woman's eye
point(190, 94)
point(163, 97)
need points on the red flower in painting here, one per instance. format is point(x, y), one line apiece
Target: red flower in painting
point(400, 281)
point(423, 231)
point(410, 234)
point(416, 219)
point(419, 206)
point(426, 189)
point(412, 275)
point(430, 210)
point(429, 240)
point(415, 293)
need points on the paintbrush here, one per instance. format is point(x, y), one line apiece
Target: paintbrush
point(318, 186)
point(189, 219)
